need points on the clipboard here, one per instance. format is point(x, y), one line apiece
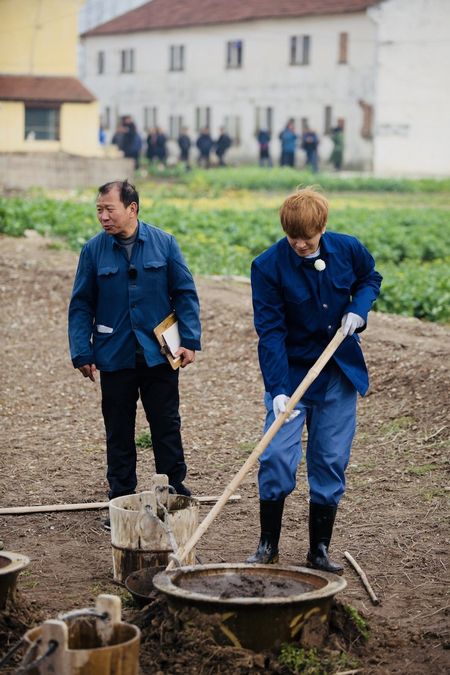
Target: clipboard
point(167, 346)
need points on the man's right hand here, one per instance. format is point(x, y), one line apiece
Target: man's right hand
point(279, 407)
point(88, 370)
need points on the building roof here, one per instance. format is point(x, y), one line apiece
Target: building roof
point(43, 88)
point(159, 14)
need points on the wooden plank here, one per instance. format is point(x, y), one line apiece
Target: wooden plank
point(87, 506)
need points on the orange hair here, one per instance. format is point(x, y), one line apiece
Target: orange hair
point(304, 213)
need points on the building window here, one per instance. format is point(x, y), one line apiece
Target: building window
point(100, 63)
point(41, 124)
point(106, 118)
point(175, 126)
point(150, 117)
point(176, 57)
point(327, 119)
point(343, 48)
point(300, 50)
point(233, 128)
point(202, 118)
point(264, 119)
point(367, 121)
point(127, 61)
point(234, 54)
point(304, 124)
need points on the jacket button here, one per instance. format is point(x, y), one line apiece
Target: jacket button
point(330, 327)
point(325, 306)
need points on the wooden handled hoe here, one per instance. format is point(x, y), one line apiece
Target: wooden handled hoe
point(309, 378)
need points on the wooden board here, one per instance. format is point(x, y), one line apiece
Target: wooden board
point(158, 331)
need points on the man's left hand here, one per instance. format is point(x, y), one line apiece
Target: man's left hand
point(351, 322)
point(187, 356)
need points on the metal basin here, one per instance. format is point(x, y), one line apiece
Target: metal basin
point(140, 584)
point(259, 606)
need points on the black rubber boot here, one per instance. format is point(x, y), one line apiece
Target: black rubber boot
point(321, 521)
point(270, 515)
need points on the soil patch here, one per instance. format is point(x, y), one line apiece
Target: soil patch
point(394, 518)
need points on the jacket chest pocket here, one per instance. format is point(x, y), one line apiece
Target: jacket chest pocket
point(299, 307)
point(107, 277)
point(155, 274)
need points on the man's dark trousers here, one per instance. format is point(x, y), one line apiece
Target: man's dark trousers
point(158, 389)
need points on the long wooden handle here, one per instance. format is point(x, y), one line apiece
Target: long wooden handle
point(309, 378)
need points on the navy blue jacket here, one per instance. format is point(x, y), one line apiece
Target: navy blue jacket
point(297, 310)
point(109, 311)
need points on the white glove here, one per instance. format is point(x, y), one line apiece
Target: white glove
point(350, 322)
point(279, 407)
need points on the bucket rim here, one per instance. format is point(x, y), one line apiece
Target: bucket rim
point(17, 562)
point(165, 582)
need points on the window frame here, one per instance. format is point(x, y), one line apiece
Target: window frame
point(101, 62)
point(44, 106)
point(265, 115)
point(343, 48)
point(176, 58)
point(300, 50)
point(203, 116)
point(234, 54)
point(127, 61)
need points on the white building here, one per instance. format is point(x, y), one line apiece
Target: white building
point(257, 63)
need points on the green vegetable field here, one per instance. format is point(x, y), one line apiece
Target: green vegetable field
point(223, 218)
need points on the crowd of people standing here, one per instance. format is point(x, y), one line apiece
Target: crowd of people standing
point(129, 141)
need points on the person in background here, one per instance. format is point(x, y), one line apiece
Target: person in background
point(131, 144)
point(310, 143)
point(102, 135)
point(304, 288)
point(223, 143)
point(150, 152)
point(129, 278)
point(263, 138)
point(288, 139)
point(161, 146)
point(204, 146)
point(184, 143)
point(337, 154)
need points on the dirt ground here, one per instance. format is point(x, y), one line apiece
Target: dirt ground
point(393, 519)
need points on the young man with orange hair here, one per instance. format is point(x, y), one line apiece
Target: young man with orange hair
point(304, 288)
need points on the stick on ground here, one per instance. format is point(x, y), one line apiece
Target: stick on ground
point(363, 577)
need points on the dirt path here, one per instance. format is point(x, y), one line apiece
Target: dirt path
point(394, 518)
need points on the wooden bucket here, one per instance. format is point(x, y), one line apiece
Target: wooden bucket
point(11, 564)
point(85, 645)
point(143, 534)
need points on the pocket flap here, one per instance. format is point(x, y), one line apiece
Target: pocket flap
point(154, 264)
point(105, 271)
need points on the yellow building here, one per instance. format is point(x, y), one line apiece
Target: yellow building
point(43, 105)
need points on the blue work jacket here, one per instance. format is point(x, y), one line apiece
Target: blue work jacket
point(298, 309)
point(109, 310)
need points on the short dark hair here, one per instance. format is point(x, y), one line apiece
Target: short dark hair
point(127, 191)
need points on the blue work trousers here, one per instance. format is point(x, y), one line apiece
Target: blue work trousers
point(331, 426)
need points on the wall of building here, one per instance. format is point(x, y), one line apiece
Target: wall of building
point(265, 80)
point(20, 171)
point(78, 130)
point(41, 37)
point(412, 99)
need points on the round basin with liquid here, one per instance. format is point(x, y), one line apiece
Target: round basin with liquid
point(259, 606)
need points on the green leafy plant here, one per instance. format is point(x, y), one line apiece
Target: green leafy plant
point(144, 440)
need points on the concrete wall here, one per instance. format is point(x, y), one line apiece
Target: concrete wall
point(412, 100)
point(59, 170)
point(41, 37)
point(266, 78)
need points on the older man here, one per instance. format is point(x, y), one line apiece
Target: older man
point(130, 277)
